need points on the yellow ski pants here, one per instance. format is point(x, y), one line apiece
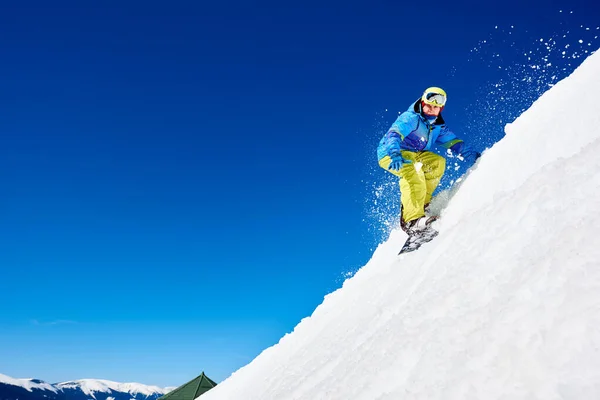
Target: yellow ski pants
point(417, 182)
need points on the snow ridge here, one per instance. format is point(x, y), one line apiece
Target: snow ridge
point(28, 384)
point(87, 386)
point(91, 386)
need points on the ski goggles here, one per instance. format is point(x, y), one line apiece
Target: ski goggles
point(434, 99)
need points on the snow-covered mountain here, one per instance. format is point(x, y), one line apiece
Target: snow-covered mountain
point(27, 389)
point(108, 390)
point(83, 389)
point(503, 304)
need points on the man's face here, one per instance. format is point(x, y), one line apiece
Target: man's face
point(430, 110)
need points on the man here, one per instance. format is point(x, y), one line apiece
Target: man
point(404, 152)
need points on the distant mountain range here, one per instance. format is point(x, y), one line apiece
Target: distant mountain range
point(83, 389)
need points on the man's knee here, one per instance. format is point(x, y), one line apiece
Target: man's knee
point(436, 165)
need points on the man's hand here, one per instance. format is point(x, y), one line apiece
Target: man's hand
point(398, 162)
point(470, 156)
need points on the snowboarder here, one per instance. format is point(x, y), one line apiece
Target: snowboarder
point(404, 152)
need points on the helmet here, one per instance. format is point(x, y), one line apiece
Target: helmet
point(434, 96)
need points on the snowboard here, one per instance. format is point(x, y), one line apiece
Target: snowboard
point(417, 239)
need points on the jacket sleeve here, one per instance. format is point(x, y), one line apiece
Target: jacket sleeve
point(448, 140)
point(404, 125)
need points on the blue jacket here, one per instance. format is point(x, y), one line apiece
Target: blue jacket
point(413, 132)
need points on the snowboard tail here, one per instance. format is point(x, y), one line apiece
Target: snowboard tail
point(417, 239)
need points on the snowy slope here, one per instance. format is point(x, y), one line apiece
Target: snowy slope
point(504, 304)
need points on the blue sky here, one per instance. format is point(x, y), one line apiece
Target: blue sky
point(183, 182)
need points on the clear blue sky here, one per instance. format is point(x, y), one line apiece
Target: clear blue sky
point(182, 182)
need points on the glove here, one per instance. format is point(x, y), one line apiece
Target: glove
point(470, 156)
point(398, 162)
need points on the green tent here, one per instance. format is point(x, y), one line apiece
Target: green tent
point(189, 391)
